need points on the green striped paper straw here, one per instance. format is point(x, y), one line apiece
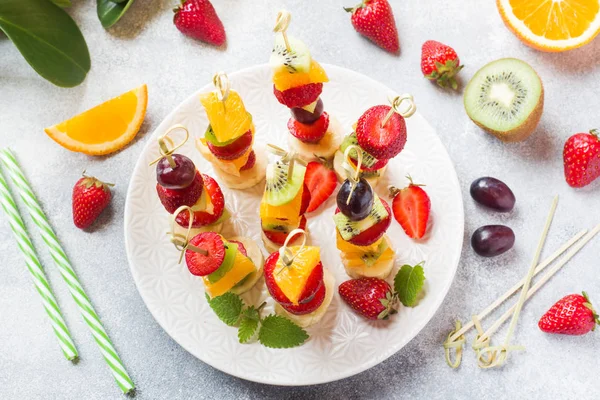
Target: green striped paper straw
point(62, 262)
point(37, 273)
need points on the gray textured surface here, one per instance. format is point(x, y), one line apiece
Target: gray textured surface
point(145, 47)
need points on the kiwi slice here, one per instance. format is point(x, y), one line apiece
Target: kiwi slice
point(279, 190)
point(367, 160)
point(295, 60)
point(231, 250)
point(349, 229)
point(371, 258)
point(281, 227)
point(506, 99)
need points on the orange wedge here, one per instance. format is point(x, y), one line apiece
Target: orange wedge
point(106, 128)
point(283, 79)
point(551, 25)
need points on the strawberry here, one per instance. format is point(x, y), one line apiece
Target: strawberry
point(250, 163)
point(309, 133)
point(203, 218)
point(375, 20)
point(321, 181)
point(581, 157)
point(233, 150)
point(90, 197)
point(374, 233)
point(379, 164)
point(411, 207)
point(370, 297)
point(571, 315)
point(199, 264)
point(382, 142)
point(198, 19)
point(440, 63)
point(299, 96)
point(172, 199)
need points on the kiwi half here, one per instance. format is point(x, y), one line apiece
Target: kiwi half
point(295, 60)
point(506, 99)
point(279, 190)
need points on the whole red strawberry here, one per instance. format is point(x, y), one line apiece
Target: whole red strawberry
point(440, 63)
point(90, 198)
point(198, 19)
point(581, 157)
point(375, 20)
point(370, 297)
point(571, 315)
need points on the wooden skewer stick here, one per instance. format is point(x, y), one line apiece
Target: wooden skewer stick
point(281, 25)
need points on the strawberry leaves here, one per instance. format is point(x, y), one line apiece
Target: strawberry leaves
point(408, 283)
point(273, 331)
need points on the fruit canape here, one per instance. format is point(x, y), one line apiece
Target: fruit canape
point(225, 265)
point(228, 140)
point(361, 220)
point(179, 183)
point(285, 199)
point(297, 84)
point(380, 133)
point(296, 279)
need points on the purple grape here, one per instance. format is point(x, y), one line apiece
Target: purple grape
point(361, 201)
point(493, 193)
point(307, 117)
point(179, 177)
point(492, 240)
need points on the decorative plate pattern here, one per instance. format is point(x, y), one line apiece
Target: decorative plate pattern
point(342, 344)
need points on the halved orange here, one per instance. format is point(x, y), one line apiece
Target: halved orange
point(552, 25)
point(106, 128)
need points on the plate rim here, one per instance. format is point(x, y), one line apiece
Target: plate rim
point(348, 373)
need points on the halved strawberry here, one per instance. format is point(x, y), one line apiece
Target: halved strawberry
point(299, 96)
point(240, 246)
point(411, 207)
point(172, 199)
point(309, 133)
point(250, 163)
point(233, 150)
point(306, 198)
point(375, 232)
point(311, 304)
point(383, 142)
point(200, 264)
point(203, 218)
point(279, 237)
point(321, 181)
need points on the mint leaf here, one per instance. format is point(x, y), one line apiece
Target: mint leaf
point(248, 324)
point(228, 307)
point(280, 333)
point(408, 283)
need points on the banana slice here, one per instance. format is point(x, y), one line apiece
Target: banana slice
point(273, 247)
point(326, 146)
point(307, 320)
point(381, 269)
point(338, 160)
point(257, 258)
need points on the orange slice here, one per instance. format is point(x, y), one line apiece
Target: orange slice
point(229, 119)
point(106, 128)
point(283, 79)
point(552, 25)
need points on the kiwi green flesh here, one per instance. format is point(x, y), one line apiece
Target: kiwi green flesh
point(371, 258)
point(368, 160)
point(282, 227)
point(295, 60)
point(231, 250)
point(503, 95)
point(278, 190)
point(350, 229)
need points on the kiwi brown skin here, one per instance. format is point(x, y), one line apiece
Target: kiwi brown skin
point(522, 132)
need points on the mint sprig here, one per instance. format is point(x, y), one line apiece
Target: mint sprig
point(274, 331)
point(408, 283)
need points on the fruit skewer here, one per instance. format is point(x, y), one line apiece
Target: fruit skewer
point(179, 183)
point(229, 138)
point(225, 265)
point(297, 84)
point(285, 200)
point(296, 279)
point(361, 220)
point(380, 135)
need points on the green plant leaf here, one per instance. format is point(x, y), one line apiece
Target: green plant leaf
point(62, 3)
point(280, 333)
point(48, 39)
point(228, 307)
point(408, 283)
point(248, 324)
point(110, 11)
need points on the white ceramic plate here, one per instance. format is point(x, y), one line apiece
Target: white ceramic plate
point(342, 344)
